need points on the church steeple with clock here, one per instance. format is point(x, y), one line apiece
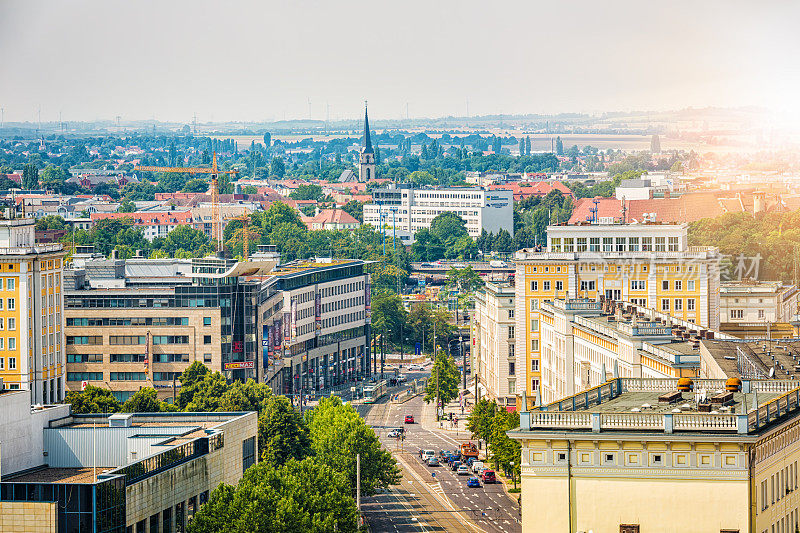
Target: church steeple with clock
point(366, 164)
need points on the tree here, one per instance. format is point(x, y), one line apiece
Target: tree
point(51, 222)
point(300, 496)
point(504, 449)
point(444, 380)
point(126, 207)
point(307, 192)
point(30, 177)
point(559, 146)
point(282, 433)
point(388, 314)
point(355, 208)
point(92, 400)
point(464, 279)
point(338, 433)
point(449, 227)
point(527, 145)
point(267, 139)
point(277, 167)
point(189, 383)
point(480, 420)
point(196, 185)
point(145, 400)
point(521, 146)
point(186, 238)
point(53, 178)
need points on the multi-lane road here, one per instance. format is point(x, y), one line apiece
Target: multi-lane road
point(431, 498)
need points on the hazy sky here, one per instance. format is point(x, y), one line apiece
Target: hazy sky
point(236, 60)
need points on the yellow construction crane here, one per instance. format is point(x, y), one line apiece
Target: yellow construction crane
point(245, 220)
point(216, 223)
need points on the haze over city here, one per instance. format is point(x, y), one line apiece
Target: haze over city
point(243, 61)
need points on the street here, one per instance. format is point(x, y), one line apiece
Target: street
point(431, 498)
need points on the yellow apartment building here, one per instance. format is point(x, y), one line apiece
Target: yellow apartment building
point(669, 455)
point(650, 265)
point(32, 353)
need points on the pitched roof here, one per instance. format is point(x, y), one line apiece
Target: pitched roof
point(367, 146)
point(606, 207)
point(334, 216)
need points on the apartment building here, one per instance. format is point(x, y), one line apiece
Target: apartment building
point(142, 322)
point(637, 454)
point(319, 326)
point(585, 342)
point(757, 309)
point(408, 210)
point(32, 355)
point(649, 265)
point(115, 473)
point(493, 326)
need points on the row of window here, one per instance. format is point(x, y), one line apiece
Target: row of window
point(778, 485)
point(615, 244)
point(140, 321)
point(11, 283)
point(677, 304)
point(114, 376)
point(12, 363)
point(128, 358)
point(124, 340)
point(12, 343)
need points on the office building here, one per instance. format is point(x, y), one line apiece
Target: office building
point(32, 355)
point(141, 322)
point(317, 327)
point(649, 265)
point(127, 472)
point(634, 455)
point(407, 209)
point(493, 326)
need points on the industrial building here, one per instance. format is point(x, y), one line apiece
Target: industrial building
point(127, 472)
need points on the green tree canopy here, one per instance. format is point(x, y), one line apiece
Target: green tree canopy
point(481, 418)
point(446, 375)
point(282, 432)
point(145, 400)
point(307, 192)
point(338, 433)
point(92, 400)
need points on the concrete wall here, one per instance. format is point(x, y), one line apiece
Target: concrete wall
point(21, 431)
point(31, 517)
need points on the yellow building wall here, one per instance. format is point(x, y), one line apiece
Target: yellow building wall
point(31, 517)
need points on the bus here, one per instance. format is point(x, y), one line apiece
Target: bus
point(374, 391)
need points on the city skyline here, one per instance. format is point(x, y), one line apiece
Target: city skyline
point(151, 60)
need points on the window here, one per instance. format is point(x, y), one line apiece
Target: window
point(510, 314)
point(665, 304)
point(511, 350)
point(546, 285)
point(534, 286)
point(638, 285)
point(608, 458)
point(581, 246)
point(248, 453)
point(12, 363)
point(535, 384)
point(534, 324)
point(678, 304)
point(10, 284)
point(588, 285)
point(555, 244)
point(559, 286)
point(629, 528)
point(737, 314)
point(534, 345)
point(620, 244)
point(656, 459)
point(124, 339)
point(2, 363)
point(594, 244)
point(647, 244)
point(665, 285)
point(608, 244)
point(661, 245)
point(568, 244)
point(165, 376)
point(206, 357)
point(206, 320)
point(690, 285)
point(12, 344)
point(84, 358)
point(128, 376)
point(128, 357)
point(690, 304)
point(511, 368)
point(12, 304)
point(761, 314)
point(206, 339)
point(633, 244)
point(12, 324)
point(171, 339)
point(510, 332)
point(84, 376)
point(673, 244)
point(512, 386)
point(534, 365)
point(562, 457)
point(678, 285)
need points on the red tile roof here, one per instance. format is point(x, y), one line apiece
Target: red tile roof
point(606, 207)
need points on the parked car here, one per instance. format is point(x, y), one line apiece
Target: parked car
point(454, 465)
point(476, 466)
point(488, 476)
point(463, 470)
point(433, 461)
point(474, 482)
point(409, 419)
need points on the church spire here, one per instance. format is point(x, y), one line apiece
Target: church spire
point(367, 146)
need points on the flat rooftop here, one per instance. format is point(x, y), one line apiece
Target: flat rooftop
point(58, 475)
point(762, 355)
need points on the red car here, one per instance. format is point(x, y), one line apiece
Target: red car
point(488, 476)
point(409, 419)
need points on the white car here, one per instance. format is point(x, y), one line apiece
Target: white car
point(463, 470)
point(395, 434)
point(477, 466)
point(415, 367)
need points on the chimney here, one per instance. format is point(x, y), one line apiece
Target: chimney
point(667, 194)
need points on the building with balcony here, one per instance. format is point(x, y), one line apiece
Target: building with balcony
point(493, 326)
point(628, 454)
point(647, 265)
point(32, 355)
point(115, 473)
point(408, 210)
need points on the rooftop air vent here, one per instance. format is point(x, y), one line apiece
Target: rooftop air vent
point(120, 420)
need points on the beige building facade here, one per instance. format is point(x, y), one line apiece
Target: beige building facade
point(493, 326)
point(629, 454)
